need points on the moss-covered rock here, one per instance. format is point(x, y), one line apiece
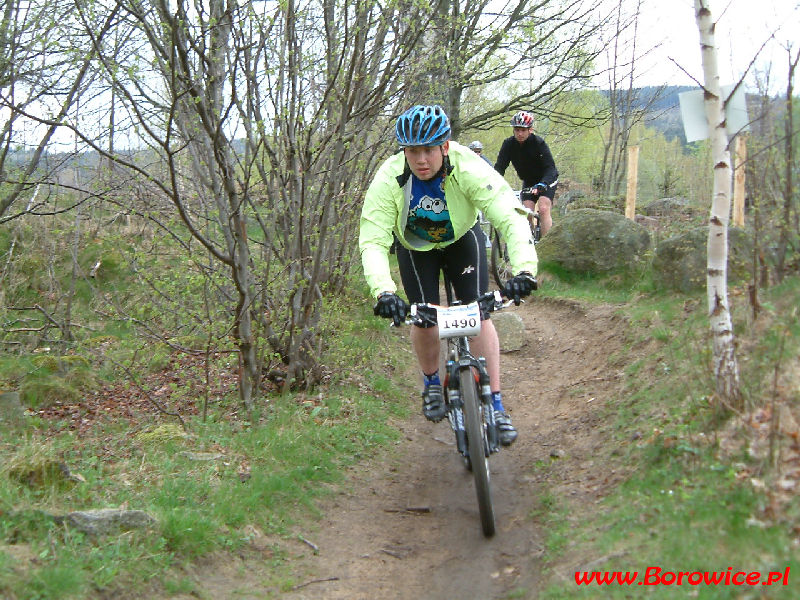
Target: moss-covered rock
point(161, 434)
point(589, 241)
point(680, 262)
point(661, 207)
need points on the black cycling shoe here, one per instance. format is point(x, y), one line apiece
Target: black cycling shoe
point(433, 403)
point(506, 432)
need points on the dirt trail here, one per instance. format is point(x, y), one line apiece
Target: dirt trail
point(408, 527)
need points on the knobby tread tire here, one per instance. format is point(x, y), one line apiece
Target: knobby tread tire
point(475, 438)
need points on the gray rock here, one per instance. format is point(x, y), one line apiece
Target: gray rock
point(680, 262)
point(202, 456)
point(12, 413)
point(510, 330)
point(104, 521)
point(563, 201)
point(666, 206)
point(595, 241)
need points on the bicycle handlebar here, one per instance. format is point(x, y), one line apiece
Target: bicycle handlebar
point(426, 313)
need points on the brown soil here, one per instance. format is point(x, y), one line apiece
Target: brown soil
point(407, 525)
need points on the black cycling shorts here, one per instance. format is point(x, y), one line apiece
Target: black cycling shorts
point(550, 192)
point(465, 263)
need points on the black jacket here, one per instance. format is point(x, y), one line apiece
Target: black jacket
point(532, 160)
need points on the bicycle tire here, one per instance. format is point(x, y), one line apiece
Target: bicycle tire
point(477, 449)
point(501, 266)
point(536, 228)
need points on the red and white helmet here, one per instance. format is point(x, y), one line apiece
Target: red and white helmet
point(522, 119)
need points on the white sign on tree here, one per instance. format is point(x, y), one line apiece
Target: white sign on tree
point(693, 113)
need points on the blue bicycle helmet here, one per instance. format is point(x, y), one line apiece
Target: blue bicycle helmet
point(423, 126)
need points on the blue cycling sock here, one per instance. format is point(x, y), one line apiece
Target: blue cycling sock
point(432, 379)
point(497, 401)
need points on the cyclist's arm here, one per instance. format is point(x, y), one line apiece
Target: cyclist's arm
point(503, 158)
point(550, 174)
point(500, 205)
point(378, 217)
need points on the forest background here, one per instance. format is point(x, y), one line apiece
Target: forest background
point(184, 180)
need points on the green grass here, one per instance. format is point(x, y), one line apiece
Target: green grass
point(272, 472)
point(683, 514)
point(685, 506)
point(688, 505)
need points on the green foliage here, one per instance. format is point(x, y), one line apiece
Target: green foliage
point(56, 379)
point(209, 490)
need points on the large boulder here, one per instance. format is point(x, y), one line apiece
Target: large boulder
point(680, 262)
point(594, 241)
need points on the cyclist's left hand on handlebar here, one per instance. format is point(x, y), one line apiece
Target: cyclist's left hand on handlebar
point(519, 286)
point(391, 306)
point(539, 189)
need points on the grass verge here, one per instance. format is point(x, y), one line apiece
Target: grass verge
point(223, 485)
point(710, 495)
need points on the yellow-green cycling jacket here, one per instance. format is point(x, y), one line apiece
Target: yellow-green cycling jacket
point(471, 186)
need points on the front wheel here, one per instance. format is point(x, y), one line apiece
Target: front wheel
point(476, 441)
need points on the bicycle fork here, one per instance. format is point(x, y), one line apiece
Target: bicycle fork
point(455, 413)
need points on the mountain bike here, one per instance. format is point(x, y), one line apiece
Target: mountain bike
point(501, 266)
point(468, 395)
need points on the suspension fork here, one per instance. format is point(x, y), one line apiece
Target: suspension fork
point(455, 412)
point(488, 406)
point(485, 393)
point(460, 358)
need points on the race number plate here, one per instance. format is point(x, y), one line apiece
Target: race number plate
point(455, 321)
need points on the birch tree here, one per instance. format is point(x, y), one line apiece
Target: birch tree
point(726, 368)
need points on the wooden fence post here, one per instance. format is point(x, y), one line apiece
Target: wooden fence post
point(633, 176)
point(738, 181)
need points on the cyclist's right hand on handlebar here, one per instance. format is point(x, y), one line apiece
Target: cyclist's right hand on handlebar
point(519, 286)
point(391, 306)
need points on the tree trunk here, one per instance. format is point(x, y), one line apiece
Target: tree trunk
point(726, 369)
point(788, 191)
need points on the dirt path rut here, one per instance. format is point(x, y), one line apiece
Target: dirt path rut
point(409, 527)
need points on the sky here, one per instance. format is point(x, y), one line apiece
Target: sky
point(742, 27)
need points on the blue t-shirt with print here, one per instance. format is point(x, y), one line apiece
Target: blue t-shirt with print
point(428, 217)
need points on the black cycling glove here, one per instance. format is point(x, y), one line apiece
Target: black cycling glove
point(539, 189)
point(391, 306)
point(519, 286)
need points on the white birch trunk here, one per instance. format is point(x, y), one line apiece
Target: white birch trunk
point(726, 369)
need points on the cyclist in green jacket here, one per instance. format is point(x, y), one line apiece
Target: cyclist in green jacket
point(428, 196)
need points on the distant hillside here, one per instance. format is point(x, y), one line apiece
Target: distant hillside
point(665, 113)
point(663, 108)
